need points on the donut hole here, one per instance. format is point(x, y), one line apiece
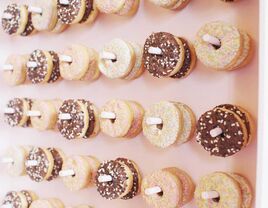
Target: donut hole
point(159, 126)
point(217, 47)
point(113, 120)
point(114, 60)
point(216, 200)
point(160, 193)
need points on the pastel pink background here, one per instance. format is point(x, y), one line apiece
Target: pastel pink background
point(202, 90)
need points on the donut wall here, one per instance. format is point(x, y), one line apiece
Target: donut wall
point(201, 95)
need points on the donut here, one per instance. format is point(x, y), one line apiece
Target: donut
point(48, 118)
point(18, 156)
point(91, 12)
point(189, 60)
point(244, 116)
point(93, 125)
point(29, 28)
point(124, 60)
point(189, 122)
point(165, 134)
point(136, 126)
point(56, 203)
point(73, 12)
point(46, 203)
point(58, 157)
point(42, 72)
point(15, 199)
point(170, 59)
point(77, 126)
point(82, 173)
point(93, 71)
point(55, 74)
point(188, 186)
point(59, 27)
point(130, 8)
point(247, 193)
point(122, 180)
point(45, 163)
point(138, 69)
point(227, 188)
point(171, 189)
point(17, 75)
point(110, 6)
point(136, 177)
point(171, 4)
point(30, 196)
point(246, 54)
point(18, 19)
point(229, 141)
point(120, 126)
point(223, 56)
point(94, 164)
point(48, 18)
point(19, 118)
point(79, 66)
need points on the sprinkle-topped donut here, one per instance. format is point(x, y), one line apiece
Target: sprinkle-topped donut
point(243, 115)
point(189, 60)
point(17, 21)
point(42, 72)
point(91, 116)
point(29, 28)
point(121, 180)
point(30, 197)
point(19, 117)
point(58, 162)
point(225, 55)
point(44, 166)
point(15, 199)
point(231, 138)
point(72, 12)
point(170, 58)
point(55, 74)
point(77, 126)
point(227, 188)
point(88, 10)
point(136, 178)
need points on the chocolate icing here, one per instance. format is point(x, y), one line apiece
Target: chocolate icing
point(12, 198)
point(229, 142)
point(55, 74)
point(68, 13)
point(38, 173)
point(89, 9)
point(136, 179)
point(29, 29)
point(187, 61)
point(239, 113)
point(11, 26)
point(161, 65)
point(91, 115)
point(28, 197)
point(15, 118)
point(58, 162)
point(38, 74)
point(116, 187)
point(71, 129)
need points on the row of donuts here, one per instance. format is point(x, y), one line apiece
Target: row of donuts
point(121, 179)
point(56, 15)
point(218, 45)
point(29, 199)
point(222, 131)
